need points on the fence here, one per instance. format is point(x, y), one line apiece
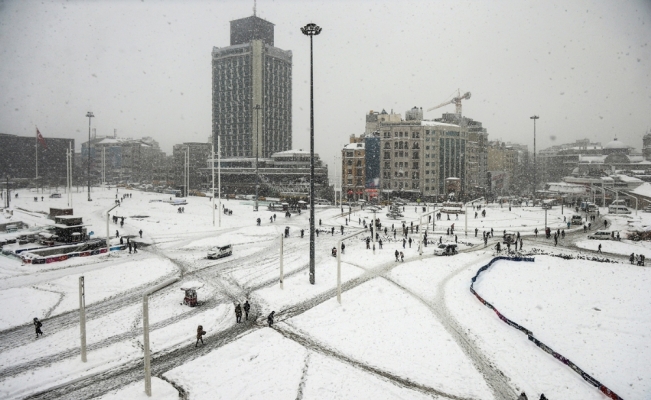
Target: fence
point(30, 259)
point(527, 332)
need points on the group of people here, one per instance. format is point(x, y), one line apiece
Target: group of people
point(238, 311)
point(636, 259)
point(523, 396)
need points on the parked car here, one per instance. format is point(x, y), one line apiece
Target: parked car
point(618, 210)
point(445, 249)
point(600, 235)
point(55, 196)
point(220, 251)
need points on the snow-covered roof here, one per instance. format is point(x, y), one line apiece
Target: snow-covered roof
point(591, 159)
point(354, 146)
point(436, 123)
point(290, 152)
point(644, 189)
point(626, 178)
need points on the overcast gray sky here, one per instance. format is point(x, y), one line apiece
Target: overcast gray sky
point(144, 67)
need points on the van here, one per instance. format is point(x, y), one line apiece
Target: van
point(600, 235)
point(618, 210)
point(220, 251)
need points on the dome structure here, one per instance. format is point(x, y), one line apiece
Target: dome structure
point(616, 147)
point(615, 144)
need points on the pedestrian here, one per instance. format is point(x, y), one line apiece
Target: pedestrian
point(258, 221)
point(599, 248)
point(37, 326)
point(492, 233)
point(394, 235)
point(121, 241)
point(247, 307)
point(523, 396)
point(368, 243)
point(342, 229)
point(270, 318)
point(404, 242)
point(397, 255)
point(135, 247)
point(555, 240)
point(535, 232)
point(543, 397)
point(402, 257)
point(455, 238)
point(485, 241)
point(498, 248)
point(343, 247)
point(129, 243)
point(238, 313)
point(332, 231)
point(410, 243)
point(117, 234)
point(302, 233)
point(319, 221)
point(200, 333)
point(380, 242)
point(476, 230)
point(563, 234)
point(520, 243)
point(274, 217)
point(631, 257)
point(140, 232)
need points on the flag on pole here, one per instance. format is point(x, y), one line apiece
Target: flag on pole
point(40, 138)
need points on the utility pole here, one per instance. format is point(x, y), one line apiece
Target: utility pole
point(282, 275)
point(89, 115)
point(82, 317)
point(535, 170)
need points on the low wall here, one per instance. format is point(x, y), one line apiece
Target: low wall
point(530, 336)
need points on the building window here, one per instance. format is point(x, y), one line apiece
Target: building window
point(349, 181)
point(416, 155)
point(396, 154)
point(415, 146)
point(359, 163)
point(349, 154)
point(415, 165)
point(387, 164)
point(387, 145)
point(349, 162)
point(387, 155)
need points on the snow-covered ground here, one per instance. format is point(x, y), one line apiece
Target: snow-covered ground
point(407, 329)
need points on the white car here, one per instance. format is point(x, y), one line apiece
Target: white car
point(220, 251)
point(445, 249)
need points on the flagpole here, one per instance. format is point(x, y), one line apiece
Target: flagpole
point(37, 157)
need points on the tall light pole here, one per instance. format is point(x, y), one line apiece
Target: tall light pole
point(534, 118)
point(311, 30)
point(90, 115)
point(257, 151)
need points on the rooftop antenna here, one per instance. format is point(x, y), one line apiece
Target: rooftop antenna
point(254, 6)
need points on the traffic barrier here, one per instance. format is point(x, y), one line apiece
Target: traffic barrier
point(62, 257)
point(605, 390)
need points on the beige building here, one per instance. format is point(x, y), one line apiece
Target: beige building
point(418, 156)
point(353, 168)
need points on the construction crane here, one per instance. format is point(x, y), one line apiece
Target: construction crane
point(455, 100)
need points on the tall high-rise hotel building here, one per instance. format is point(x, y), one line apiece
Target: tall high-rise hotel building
point(252, 72)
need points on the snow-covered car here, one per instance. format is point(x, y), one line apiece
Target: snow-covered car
point(220, 251)
point(600, 235)
point(445, 249)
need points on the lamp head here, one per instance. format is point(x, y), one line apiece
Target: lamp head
point(311, 29)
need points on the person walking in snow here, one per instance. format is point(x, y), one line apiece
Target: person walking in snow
point(200, 333)
point(332, 231)
point(410, 243)
point(404, 242)
point(402, 257)
point(129, 243)
point(599, 248)
point(140, 232)
point(117, 234)
point(247, 307)
point(121, 241)
point(135, 247)
point(238, 313)
point(535, 232)
point(270, 318)
point(343, 247)
point(523, 396)
point(37, 326)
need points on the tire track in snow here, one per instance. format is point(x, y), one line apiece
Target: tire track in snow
point(313, 345)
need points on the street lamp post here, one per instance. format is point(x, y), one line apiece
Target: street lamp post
point(257, 151)
point(311, 30)
point(90, 115)
point(534, 118)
